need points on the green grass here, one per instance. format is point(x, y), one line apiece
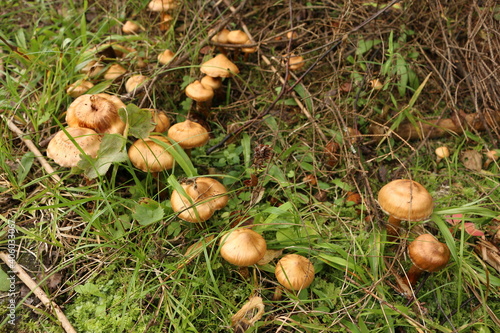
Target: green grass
point(118, 245)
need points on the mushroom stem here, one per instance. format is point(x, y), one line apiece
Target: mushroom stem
point(393, 225)
point(413, 275)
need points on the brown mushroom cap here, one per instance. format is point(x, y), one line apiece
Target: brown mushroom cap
point(428, 254)
point(406, 200)
point(188, 134)
point(219, 66)
point(237, 37)
point(161, 120)
point(65, 153)
point(162, 5)
point(442, 152)
point(214, 83)
point(296, 62)
point(294, 272)
point(221, 37)
point(165, 57)
point(79, 88)
point(130, 27)
point(98, 112)
point(198, 92)
point(135, 81)
point(242, 247)
point(114, 71)
point(147, 155)
point(207, 195)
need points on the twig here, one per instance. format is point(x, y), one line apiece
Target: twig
point(42, 296)
point(32, 147)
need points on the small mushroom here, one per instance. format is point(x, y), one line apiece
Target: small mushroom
point(206, 195)
point(491, 156)
point(114, 71)
point(165, 57)
point(98, 112)
point(64, 151)
point(160, 119)
point(294, 272)
point(79, 88)
point(202, 95)
point(162, 5)
point(188, 134)
point(441, 153)
point(219, 66)
point(149, 156)
point(242, 247)
point(134, 82)
point(130, 28)
point(427, 254)
point(404, 199)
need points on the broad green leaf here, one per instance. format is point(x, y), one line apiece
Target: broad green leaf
point(112, 150)
point(89, 289)
point(139, 121)
point(148, 211)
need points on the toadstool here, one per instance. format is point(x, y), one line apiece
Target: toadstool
point(219, 66)
point(148, 155)
point(66, 150)
point(188, 134)
point(242, 247)
point(404, 199)
point(202, 95)
point(206, 195)
point(441, 153)
point(294, 272)
point(98, 112)
point(427, 254)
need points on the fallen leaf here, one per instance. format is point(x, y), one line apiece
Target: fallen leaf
point(472, 160)
point(470, 228)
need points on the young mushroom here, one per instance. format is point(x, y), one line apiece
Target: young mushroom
point(294, 272)
point(188, 135)
point(165, 57)
point(98, 112)
point(66, 150)
point(202, 95)
point(491, 156)
point(205, 196)
point(427, 254)
point(114, 71)
point(219, 66)
point(242, 247)
point(404, 199)
point(441, 153)
point(150, 156)
point(134, 82)
point(79, 88)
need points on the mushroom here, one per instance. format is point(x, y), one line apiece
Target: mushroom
point(162, 5)
point(66, 150)
point(130, 28)
point(404, 199)
point(242, 247)
point(148, 155)
point(295, 62)
point(202, 95)
point(98, 112)
point(206, 195)
point(294, 272)
point(427, 254)
point(114, 71)
point(134, 82)
point(160, 119)
point(442, 152)
point(219, 66)
point(188, 134)
point(376, 84)
point(79, 88)
point(92, 69)
point(165, 57)
point(491, 156)
point(165, 21)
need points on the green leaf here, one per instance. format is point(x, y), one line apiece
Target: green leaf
point(148, 211)
point(4, 281)
point(139, 121)
point(89, 289)
point(25, 166)
point(112, 150)
point(180, 156)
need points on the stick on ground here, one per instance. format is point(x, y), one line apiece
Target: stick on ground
point(42, 296)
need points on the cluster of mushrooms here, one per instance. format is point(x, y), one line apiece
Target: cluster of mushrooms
point(407, 200)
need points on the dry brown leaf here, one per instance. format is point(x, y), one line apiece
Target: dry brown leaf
point(269, 255)
point(472, 160)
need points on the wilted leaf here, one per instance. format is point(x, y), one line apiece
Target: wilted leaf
point(139, 121)
point(147, 211)
point(470, 228)
point(472, 160)
point(269, 256)
point(4, 281)
point(25, 166)
point(112, 150)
